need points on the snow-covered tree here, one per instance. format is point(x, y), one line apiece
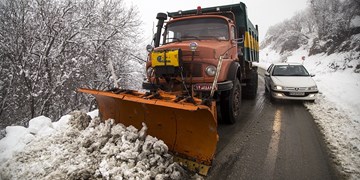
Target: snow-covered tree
point(351, 10)
point(326, 23)
point(49, 48)
point(329, 17)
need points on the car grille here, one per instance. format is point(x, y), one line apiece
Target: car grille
point(295, 88)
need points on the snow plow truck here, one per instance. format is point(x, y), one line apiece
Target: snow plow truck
point(198, 70)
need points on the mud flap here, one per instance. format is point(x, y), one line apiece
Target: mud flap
point(189, 130)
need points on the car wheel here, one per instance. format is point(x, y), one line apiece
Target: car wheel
point(266, 90)
point(230, 103)
point(272, 99)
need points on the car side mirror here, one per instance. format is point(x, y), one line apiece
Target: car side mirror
point(267, 74)
point(312, 75)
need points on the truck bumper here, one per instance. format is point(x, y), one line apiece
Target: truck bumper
point(202, 87)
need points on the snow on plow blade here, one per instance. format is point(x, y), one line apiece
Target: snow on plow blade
point(188, 129)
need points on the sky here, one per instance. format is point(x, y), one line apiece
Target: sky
point(264, 13)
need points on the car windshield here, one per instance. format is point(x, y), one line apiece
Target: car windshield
point(199, 29)
point(290, 70)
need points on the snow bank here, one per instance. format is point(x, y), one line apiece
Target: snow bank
point(84, 148)
point(341, 133)
point(337, 108)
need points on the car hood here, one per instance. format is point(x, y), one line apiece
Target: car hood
point(293, 81)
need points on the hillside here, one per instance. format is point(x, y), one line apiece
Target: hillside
point(324, 27)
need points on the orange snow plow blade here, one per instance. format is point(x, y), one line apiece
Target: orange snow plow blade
point(188, 129)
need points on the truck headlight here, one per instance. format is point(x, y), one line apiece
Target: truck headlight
point(193, 46)
point(149, 48)
point(210, 70)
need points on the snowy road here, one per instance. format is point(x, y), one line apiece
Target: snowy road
point(272, 141)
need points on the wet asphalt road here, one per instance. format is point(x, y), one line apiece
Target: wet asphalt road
point(272, 141)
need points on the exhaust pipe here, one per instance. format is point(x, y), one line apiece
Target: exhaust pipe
point(161, 17)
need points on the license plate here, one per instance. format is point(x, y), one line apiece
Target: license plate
point(297, 93)
point(203, 87)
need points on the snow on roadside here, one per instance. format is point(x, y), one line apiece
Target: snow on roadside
point(79, 147)
point(341, 134)
point(337, 107)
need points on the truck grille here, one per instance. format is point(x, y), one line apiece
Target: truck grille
point(188, 54)
point(196, 70)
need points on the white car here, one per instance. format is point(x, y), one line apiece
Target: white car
point(290, 81)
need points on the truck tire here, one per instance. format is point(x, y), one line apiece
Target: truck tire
point(230, 103)
point(251, 87)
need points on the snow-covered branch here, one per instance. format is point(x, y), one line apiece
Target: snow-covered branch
point(49, 48)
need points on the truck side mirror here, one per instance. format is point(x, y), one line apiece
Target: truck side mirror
point(161, 18)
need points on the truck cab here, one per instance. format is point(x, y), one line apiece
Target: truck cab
point(187, 61)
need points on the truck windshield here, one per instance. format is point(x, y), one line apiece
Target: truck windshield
point(201, 28)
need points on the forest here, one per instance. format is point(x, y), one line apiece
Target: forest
point(49, 48)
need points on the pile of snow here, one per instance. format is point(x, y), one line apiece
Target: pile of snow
point(341, 132)
point(80, 147)
point(337, 107)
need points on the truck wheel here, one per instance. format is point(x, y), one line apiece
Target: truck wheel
point(251, 87)
point(230, 103)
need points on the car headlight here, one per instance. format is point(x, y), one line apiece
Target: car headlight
point(278, 88)
point(313, 88)
point(149, 71)
point(210, 70)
